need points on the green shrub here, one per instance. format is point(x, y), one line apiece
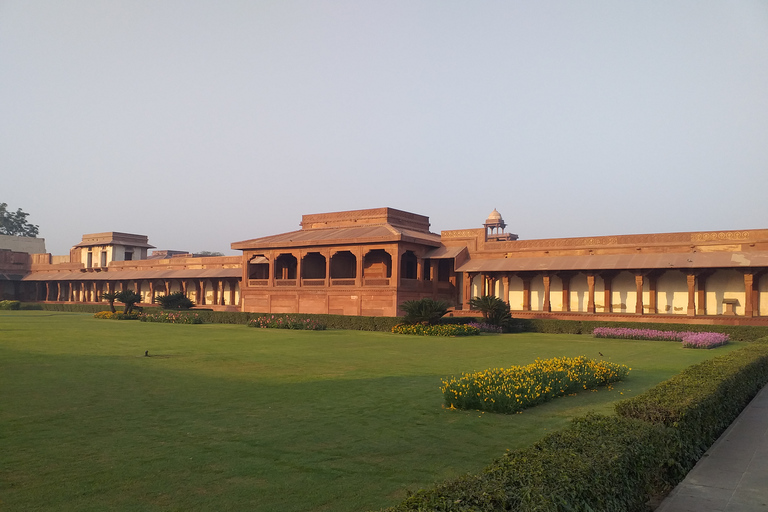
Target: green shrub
point(109, 315)
point(10, 304)
point(171, 317)
point(286, 322)
point(701, 402)
point(175, 300)
point(495, 311)
point(596, 463)
point(424, 311)
point(436, 330)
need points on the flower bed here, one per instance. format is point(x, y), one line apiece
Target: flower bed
point(108, 315)
point(286, 322)
point(168, 317)
point(436, 330)
point(689, 339)
point(510, 390)
point(486, 327)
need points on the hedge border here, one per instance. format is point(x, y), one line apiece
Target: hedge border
point(614, 462)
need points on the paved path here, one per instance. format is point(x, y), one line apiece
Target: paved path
point(733, 474)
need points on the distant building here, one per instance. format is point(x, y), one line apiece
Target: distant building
point(367, 262)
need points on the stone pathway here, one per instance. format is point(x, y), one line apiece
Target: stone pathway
point(733, 474)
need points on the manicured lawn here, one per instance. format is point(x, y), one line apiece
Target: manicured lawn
point(225, 417)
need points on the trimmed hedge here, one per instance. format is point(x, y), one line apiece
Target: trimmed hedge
point(701, 402)
point(596, 463)
point(552, 326)
point(614, 463)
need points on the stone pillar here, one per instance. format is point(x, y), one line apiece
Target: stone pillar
point(749, 289)
point(298, 274)
point(167, 286)
point(201, 296)
point(547, 305)
point(639, 291)
point(607, 295)
point(232, 289)
point(652, 293)
point(47, 290)
point(359, 257)
point(591, 293)
point(505, 288)
point(691, 278)
point(419, 269)
point(467, 294)
point(433, 274)
point(701, 294)
point(58, 290)
point(395, 279)
point(151, 291)
point(526, 293)
point(138, 287)
point(565, 277)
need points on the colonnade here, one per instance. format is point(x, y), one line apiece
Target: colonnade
point(708, 291)
point(223, 292)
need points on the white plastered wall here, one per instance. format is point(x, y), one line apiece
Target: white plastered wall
point(599, 295)
point(762, 288)
point(556, 293)
point(672, 293)
point(515, 293)
point(579, 293)
point(623, 293)
point(725, 284)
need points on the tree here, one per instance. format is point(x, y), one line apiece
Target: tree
point(176, 300)
point(15, 223)
point(110, 297)
point(495, 311)
point(129, 298)
point(209, 253)
point(424, 311)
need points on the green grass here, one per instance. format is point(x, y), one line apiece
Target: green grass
point(225, 417)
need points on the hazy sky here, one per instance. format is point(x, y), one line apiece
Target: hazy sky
point(201, 123)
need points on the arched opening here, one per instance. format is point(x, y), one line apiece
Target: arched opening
point(258, 267)
point(377, 264)
point(343, 265)
point(313, 266)
point(285, 267)
point(409, 266)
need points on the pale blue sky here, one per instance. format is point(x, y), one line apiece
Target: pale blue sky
point(201, 123)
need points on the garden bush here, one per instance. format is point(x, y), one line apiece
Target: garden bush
point(701, 402)
point(509, 390)
point(596, 463)
point(424, 311)
point(171, 317)
point(436, 330)
point(175, 300)
point(10, 304)
point(108, 315)
point(689, 339)
point(286, 322)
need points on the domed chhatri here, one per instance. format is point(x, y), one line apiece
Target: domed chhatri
point(494, 228)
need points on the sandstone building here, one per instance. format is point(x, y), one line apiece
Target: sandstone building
point(367, 262)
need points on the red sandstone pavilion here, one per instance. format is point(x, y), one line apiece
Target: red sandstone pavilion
point(367, 262)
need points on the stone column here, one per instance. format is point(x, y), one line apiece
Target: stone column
point(749, 309)
point(201, 296)
point(232, 286)
point(467, 294)
point(526, 293)
point(701, 294)
point(298, 271)
point(565, 277)
point(359, 257)
point(505, 288)
point(639, 288)
point(691, 278)
point(547, 305)
point(47, 290)
point(591, 293)
point(151, 291)
point(58, 290)
point(608, 295)
point(433, 274)
point(652, 293)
